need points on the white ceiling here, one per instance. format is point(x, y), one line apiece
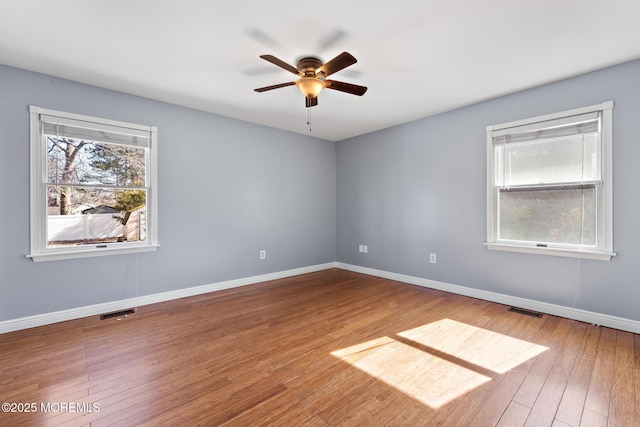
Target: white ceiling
point(418, 58)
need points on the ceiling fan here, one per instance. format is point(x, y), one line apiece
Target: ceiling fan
point(313, 76)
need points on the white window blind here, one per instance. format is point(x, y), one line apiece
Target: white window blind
point(89, 131)
point(563, 151)
point(549, 184)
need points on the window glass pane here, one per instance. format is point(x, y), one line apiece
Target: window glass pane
point(90, 215)
point(74, 161)
point(556, 160)
point(564, 215)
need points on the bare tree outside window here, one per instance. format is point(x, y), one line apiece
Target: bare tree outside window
point(85, 175)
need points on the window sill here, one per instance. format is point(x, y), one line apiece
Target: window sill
point(56, 256)
point(596, 255)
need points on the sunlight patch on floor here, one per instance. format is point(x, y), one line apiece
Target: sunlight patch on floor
point(487, 349)
point(426, 363)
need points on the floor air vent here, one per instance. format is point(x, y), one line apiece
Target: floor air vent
point(525, 312)
point(118, 314)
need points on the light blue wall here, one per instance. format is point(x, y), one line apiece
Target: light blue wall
point(227, 189)
point(421, 187)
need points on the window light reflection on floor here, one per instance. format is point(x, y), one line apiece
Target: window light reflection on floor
point(440, 361)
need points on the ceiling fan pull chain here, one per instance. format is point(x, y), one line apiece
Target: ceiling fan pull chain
point(309, 118)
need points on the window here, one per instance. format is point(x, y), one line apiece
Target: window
point(93, 186)
point(549, 186)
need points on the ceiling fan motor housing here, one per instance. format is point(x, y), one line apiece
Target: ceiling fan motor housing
point(308, 66)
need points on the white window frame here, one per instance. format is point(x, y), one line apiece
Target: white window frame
point(605, 211)
point(38, 184)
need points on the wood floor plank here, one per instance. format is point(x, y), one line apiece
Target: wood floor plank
point(528, 393)
point(211, 410)
point(545, 408)
point(515, 415)
point(622, 404)
point(593, 418)
point(636, 376)
point(598, 397)
point(538, 332)
point(290, 412)
point(572, 403)
point(323, 349)
point(499, 401)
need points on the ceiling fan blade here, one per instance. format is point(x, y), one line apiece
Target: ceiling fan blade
point(331, 39)
point(264, 38)
point(310, 102)
point(266, 88)
point(345, 87)
point(336, 64)
point(280, 63)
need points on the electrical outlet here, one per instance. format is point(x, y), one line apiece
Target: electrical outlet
point(432, 258)
point(363, 249)
point(263, 254)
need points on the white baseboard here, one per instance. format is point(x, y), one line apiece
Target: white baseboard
point(92, 310)
point(542, 307)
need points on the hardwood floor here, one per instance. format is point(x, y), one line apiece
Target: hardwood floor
point(327, 348)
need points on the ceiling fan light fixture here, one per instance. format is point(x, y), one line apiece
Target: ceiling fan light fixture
point(312, 76)
point(310, 86)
